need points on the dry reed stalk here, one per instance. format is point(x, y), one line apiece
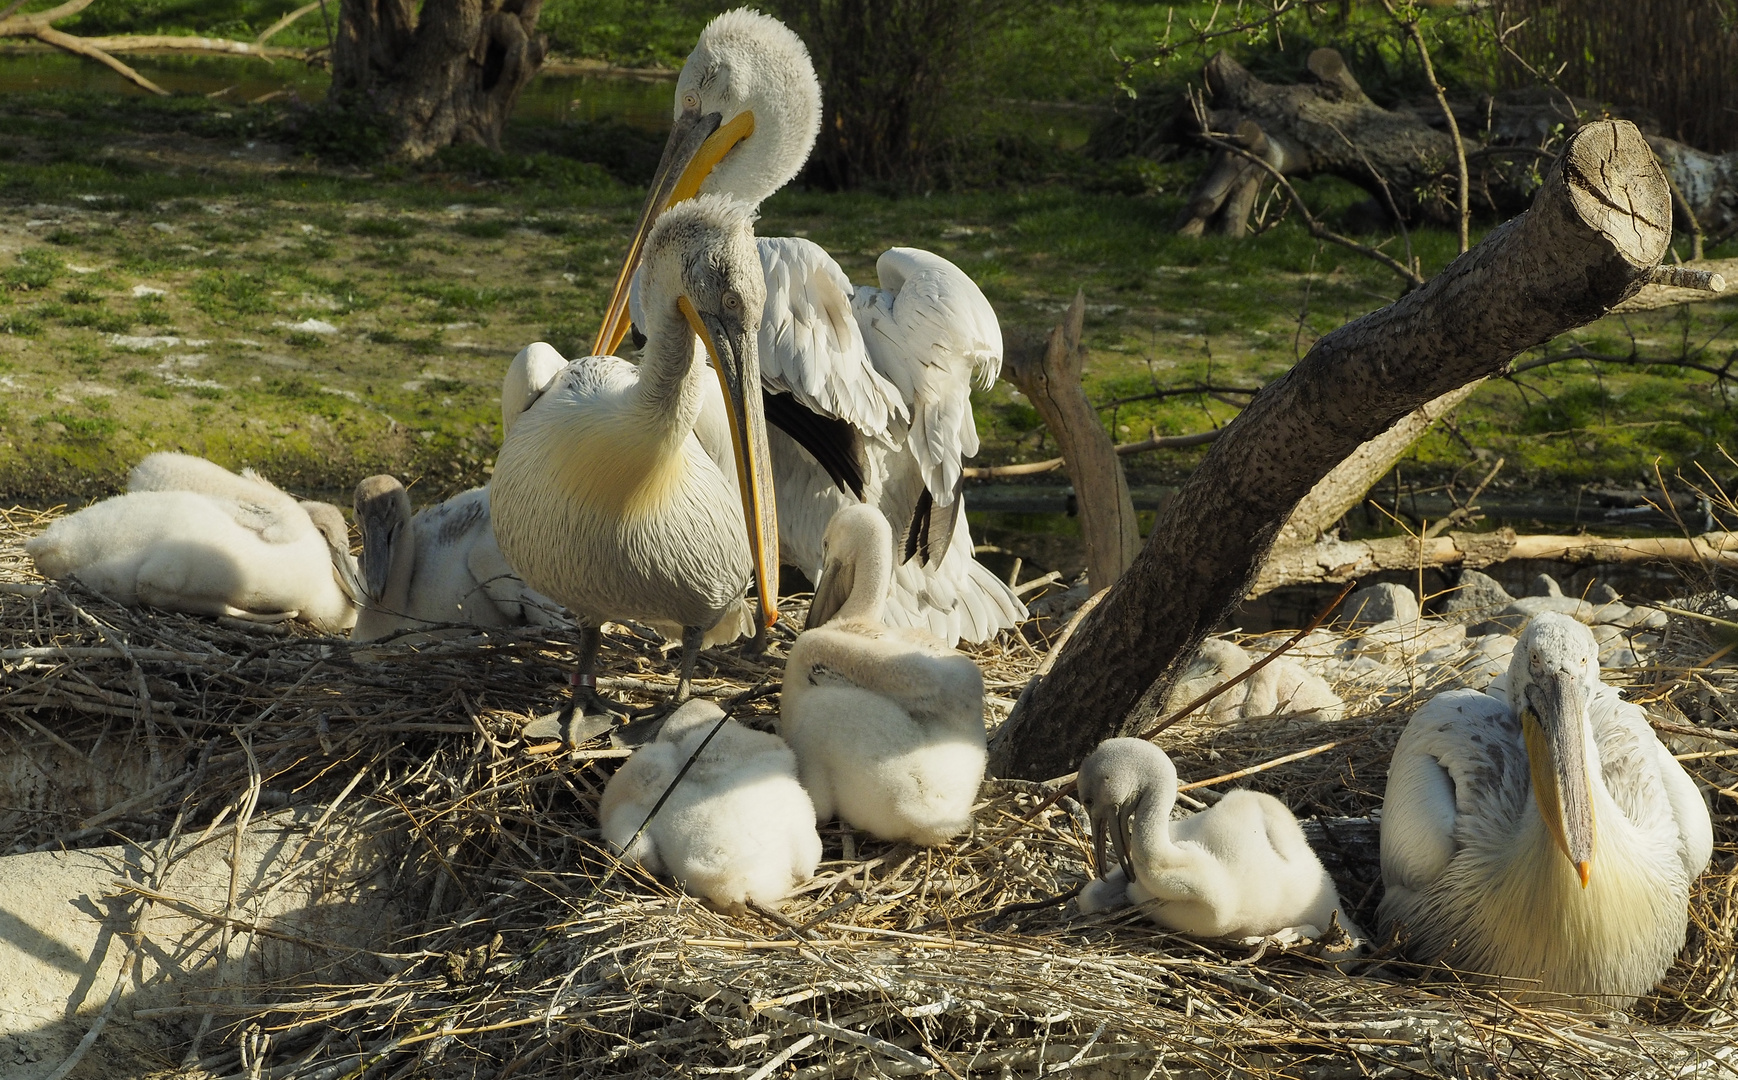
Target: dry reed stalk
point(530, 951)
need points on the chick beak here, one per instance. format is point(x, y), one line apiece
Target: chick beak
point(1123, 814)
point(1100, 839)
point(736, 357)
point(378, 538)
point(697, 143)
point(1554, 725)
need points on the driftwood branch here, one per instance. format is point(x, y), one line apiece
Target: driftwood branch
point(39, 26)
point(284, 23)
point(1597, 227)
point(1334, 561)
point(1034, 468)
point(1050, 379)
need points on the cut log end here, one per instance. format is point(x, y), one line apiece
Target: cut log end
point(1617, 188)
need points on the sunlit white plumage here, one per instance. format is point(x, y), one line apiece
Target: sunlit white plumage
point(887, 724)
point(441, 566)
point(895, 363)
point(1538, 834)
point(233, 545)
point(1282, 687)
point(605, 497)
point(738, 827)
point(1240, 868)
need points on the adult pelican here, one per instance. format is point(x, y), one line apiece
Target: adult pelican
point(1537, 833)
point(605, 499)
point(868, 390)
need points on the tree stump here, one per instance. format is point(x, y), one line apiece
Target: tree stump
point(450, 76)
point(1600, 223)
point(1050, 379)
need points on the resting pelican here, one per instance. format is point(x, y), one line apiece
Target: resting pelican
point(887, 724)
point(738, 827)
point(1240, 868)
point(606, 498)
point(868, 390)
point(209, 555)
point(1538, 834)
point(441, 566)
point(1283, 687)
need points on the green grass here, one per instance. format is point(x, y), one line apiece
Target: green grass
point(435, 278)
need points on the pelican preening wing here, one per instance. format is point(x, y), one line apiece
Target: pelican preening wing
point(931, 331)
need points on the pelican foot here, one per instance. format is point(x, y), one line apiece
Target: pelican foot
point(586, 701)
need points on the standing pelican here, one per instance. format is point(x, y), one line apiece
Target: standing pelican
point(1240, 868)
point(604, 496)
point(1538, 834)
point(868, 390)
point(440, 566)
point(887, 724)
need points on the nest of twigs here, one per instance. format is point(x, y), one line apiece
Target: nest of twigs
point(527, 950)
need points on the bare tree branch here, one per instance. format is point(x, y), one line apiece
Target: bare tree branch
point(79, 47)
point(278, 27)
point(1413, 29)
point(1033, 468)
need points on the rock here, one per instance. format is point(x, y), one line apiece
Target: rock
point(308, 326)
point(1382, 603)
point(142, 291)
point(1603, 593)
point(1544, 585)
point(1476, 596)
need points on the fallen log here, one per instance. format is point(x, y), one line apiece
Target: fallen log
point(1406, 158)
point(1329, 561)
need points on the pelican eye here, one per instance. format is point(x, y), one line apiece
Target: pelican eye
point(691, 100)
point(732, 301)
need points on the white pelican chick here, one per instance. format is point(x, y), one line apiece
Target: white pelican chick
point(868, 390)
point(887, 724)
point(1282, 687)
point(208, 555)
point(605, 499)
point(1538, 834)
point(738, 827)
point(439, 567)
point(1240, 868)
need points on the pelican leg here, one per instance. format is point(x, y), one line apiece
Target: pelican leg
point(585, 697)
point(693, 637)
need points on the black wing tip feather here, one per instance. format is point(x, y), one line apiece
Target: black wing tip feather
point(833, 443)
point(931, 523)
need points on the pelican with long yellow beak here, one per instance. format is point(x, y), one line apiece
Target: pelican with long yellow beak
point(611, 495)
point(1538, 835)
point(867, 390)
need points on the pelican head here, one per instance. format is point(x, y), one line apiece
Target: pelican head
point(748, 108)
point(329, 521)
point(1114, 781)
point(1552, 676)
point(383, 517)
point(701, 261)
point(528, 376)
point(855, 552)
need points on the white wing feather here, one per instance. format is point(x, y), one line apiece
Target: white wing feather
point(930, 330)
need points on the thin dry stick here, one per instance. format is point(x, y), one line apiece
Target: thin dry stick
point(1416, 32)
point(1261, 768)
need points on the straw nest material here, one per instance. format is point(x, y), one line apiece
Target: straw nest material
point(528, 951)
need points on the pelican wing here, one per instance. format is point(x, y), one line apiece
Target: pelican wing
point(1460, 765)
point(1650, 786)
point(930, 330)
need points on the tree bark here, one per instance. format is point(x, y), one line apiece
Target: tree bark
point(450, 76)
point(1336, 493)
point(1330, 562)
point(1600, 222)
point(1051, 380)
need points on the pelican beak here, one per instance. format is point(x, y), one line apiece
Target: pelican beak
point(837, 579)
point(1123, 814)
point(1554, 724)
point(1100, 836)
point(736, 357)
point(697, 143)
point(377, 542)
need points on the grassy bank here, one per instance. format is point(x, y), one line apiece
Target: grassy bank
point(324, 323)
